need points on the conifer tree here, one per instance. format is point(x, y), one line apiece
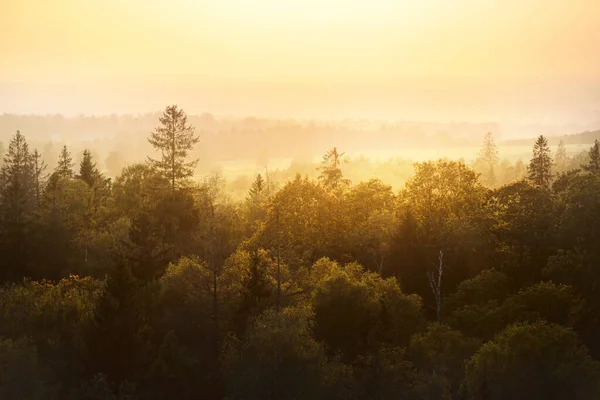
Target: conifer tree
point(87, 169)
point(39, 167)
point(593, 164)
point(257, 189)
point(560, 160)
point(540, 165)
point(331, 173)
point(490, 157)
point(17, 202)
point(18, 180)
point(173, 138)
point(65, 164)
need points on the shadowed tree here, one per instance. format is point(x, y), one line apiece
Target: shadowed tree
point(540, 166)
point(174, 138)
point(39, 167)
point(331, 173)
point(490, 157)
point(65, 164)
point(533, 361)
point(561, 159)
point(593, 165)
point(17, 202)
point(87, 169)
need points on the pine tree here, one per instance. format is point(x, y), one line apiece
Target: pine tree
point(17, 202)
point(18, 180)
point(257, 189)
point(331, 173)
point(560, 160)
point(490, 157)
point(593, 164)
point(65, 164)
point(39, 167)
point(173, 138)
point(540, 165)
point(87, 169)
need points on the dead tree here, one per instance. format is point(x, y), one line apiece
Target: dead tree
point(435, 282)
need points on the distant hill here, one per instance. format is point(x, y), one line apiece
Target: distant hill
point(586, 137)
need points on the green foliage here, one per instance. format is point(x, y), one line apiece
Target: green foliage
point(174, 138)
point(331, 174)
point(441, 352)
point(65, 164)
point(488, 159)
point(523, 216)
point(488, 285)
point(355, 311)
point(21, 374)
point(593, 165)
point(561, 160)
point(279, 359)
point(540, 166)
point(538, 360)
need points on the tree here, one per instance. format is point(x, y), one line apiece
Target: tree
point(593, 165)
point(96, 181)
point(561, 159)
point(540, 166)
point(255, 202)
point(18, 179)
point(87, 169)
point(17, 203)
point(490, 157)
point(22, 376)
point(533, 361)
point(279, 359)
point(174, 138)
point(257, 189)
point(65, 164)
point(39, 166)
point(442, 351)
point(331, 173)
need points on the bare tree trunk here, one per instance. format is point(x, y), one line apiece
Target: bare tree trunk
point(435, 282)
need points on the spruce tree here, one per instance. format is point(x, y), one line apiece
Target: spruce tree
point(331, 173)
point(87, 169)
point(65, 164)
point(17, 203)
point(560, 160)
point(593, 165)
point(540, 166)
point(490, 157)
point(257, 190)
point(18, 180)
point(39, 167)
point(173, 138)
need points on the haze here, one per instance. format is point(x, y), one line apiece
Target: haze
point(510, 62)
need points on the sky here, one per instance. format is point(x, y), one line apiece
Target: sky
point(526, 60)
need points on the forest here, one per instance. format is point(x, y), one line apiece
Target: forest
point(470, 281)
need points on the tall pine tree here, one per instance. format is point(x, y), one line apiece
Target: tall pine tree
point(540, 166)
point(593, 165)
point(174, 138)
point(17, 203)
point(87, 169)
point(39, 169)
point(331, 172)
point(65, 164)
point(561, 159)
point(490, 157)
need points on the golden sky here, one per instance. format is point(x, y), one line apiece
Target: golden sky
point(239, 47)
